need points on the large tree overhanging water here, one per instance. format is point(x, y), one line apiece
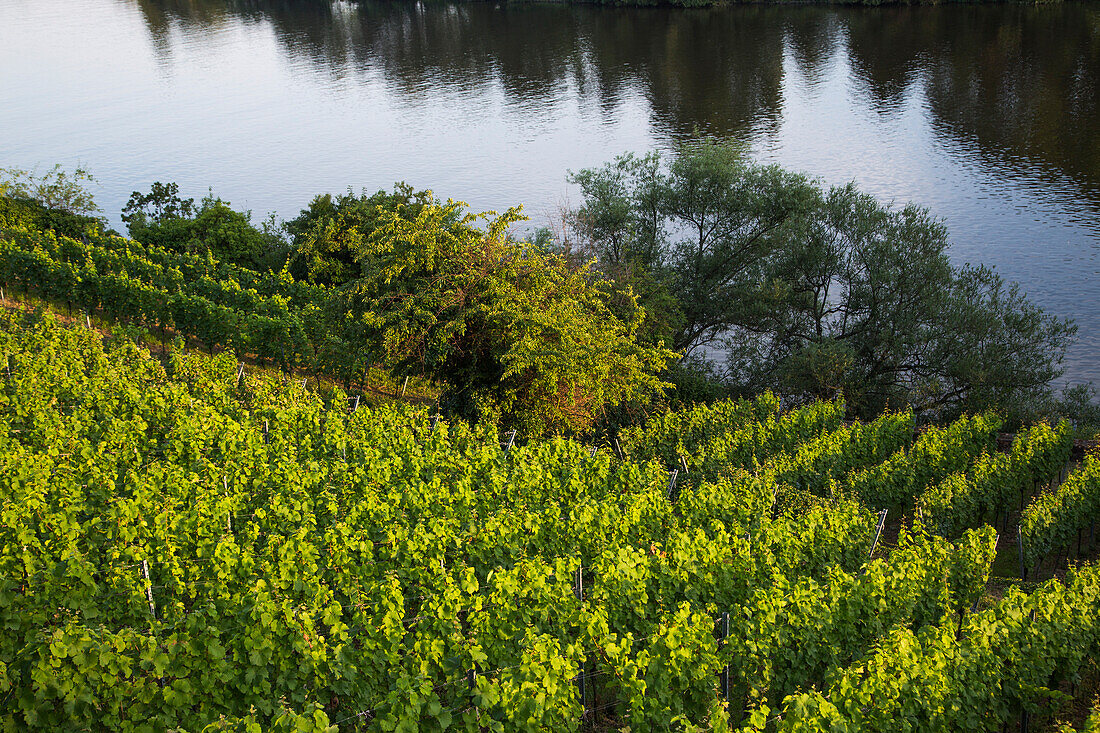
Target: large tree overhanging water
point(812, 293)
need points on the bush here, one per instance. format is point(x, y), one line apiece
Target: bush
point(161, 218)
point(56, 200)
point(514, 333)
point(329, 237)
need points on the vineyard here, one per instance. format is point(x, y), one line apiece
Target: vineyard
point(190, 545)
point(222, 306)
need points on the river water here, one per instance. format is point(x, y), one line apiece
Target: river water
point(989, 115)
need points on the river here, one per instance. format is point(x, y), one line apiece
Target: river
point(989, 115)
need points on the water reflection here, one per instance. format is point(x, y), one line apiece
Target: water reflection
point(699, 69)
point(813, 37)
point(1025, 89)
point(1019, 82)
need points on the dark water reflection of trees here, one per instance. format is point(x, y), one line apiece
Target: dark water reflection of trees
point(1017, 83)
point(1022, 83)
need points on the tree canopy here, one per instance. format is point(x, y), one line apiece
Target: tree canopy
point(329, 236)
point(56, 189)
point(812, 292)
point(162, 218)
point(58, 200)
point(514, 333)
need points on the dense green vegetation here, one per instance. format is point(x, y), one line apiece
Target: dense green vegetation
point(508, 330)
point(189, 541)
point(678, 281)
point(185, 546)
point(810, 292)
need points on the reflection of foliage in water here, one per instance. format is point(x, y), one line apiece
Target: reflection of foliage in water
point(1018, 82)
point(1022, 83)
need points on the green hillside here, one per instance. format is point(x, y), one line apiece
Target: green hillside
point(189, 545)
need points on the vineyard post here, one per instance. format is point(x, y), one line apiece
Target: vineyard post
point(404, 385)
point(266, 439)
point(672, 482)
point(684, 464)
point(578, 591)
point(356, 403)
point(240, 373)
point(593, 453)
point(149, 589)
point(723, 634)
point(1020, 549)
point(878, 532)
point(435, 421)
point(511, 440)
point(471, 678)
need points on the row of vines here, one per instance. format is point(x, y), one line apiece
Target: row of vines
point(269, 316)
point(183, 546)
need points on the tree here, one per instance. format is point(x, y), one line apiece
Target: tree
point(56, 200)
point(161, 218)
point(704, 223)
point(995, 348)
point(813, 292)
point(161, 204)
point(863, 300)
point(621, 222)
point(329, 236)
point(56, 189)
point(514, 333)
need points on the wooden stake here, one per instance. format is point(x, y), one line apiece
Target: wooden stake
point(1020, 549)
point(149, 588)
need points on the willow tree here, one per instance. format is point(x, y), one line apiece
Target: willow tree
point(704, 223)
point(810, 292)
